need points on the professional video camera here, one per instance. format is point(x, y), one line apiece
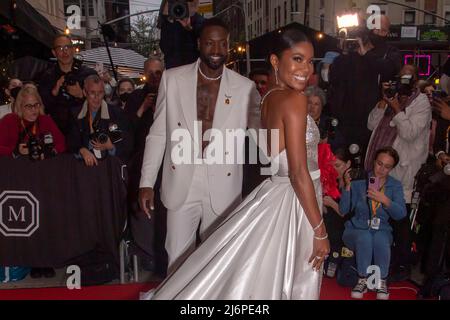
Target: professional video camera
point(179, 9)
point(351, 31)
point(356, 170)
point(402, 86)
point(71, 78)
point(329, 130)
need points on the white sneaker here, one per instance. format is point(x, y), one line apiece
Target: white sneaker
point(360, 288)
point(382, 292)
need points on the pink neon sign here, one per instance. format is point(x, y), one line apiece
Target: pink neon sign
point(420, 56)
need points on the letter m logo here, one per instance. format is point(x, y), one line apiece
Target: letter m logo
point(19, 214)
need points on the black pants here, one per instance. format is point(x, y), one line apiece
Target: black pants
point(401, 253)
point(438, 250)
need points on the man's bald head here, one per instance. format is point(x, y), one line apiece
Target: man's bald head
point(385, 26)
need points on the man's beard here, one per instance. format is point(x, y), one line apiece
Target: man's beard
point(212, 64)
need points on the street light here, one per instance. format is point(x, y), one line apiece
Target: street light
point(243, 9)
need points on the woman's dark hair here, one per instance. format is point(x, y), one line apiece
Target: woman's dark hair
point(286, 39)
point(391, 152)
point(343, 154)
point(125, 80)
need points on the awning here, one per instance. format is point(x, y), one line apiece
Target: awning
point(128, 63)
point(23, 16)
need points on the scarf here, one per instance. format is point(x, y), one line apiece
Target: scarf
point(385, 135)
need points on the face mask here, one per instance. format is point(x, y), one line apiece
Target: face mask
point(325, 75)
point(108, 90)
point(14, 92)
point(124, 97)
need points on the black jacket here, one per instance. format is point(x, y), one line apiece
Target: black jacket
point(80, 134)
point(355, 89)
point(442, 135)
point(178, 44)
point(63, 107)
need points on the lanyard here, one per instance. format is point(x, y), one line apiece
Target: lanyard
point(33, 128)
point(376, 205)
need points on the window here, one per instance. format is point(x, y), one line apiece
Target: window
point(275, 17)
point(429, 19)
point(91, 8)
point(447, 16)
point(410, 18)
point(279, 15)
point(322, 22)
point(285, 12)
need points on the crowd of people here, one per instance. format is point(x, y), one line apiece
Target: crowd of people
point(363, 97)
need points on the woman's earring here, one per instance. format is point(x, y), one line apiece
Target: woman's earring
point(276, 76)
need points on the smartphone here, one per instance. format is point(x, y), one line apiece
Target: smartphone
point(374, 183)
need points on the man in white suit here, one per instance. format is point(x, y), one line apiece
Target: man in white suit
point(219, 99)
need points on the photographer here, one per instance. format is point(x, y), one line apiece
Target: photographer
point(368, 233)
point(179, 33)
point(402, 120)
point(61, 85)
point(355, 79)
point(99, 130)
point(328, 126)
point(28, 132)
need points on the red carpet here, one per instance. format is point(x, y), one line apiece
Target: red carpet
point(330, 291)
point(398, 291)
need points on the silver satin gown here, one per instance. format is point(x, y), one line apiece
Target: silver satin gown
point(262, 249)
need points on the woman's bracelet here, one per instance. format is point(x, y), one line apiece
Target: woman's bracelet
point(322, 238)
point(318, 226)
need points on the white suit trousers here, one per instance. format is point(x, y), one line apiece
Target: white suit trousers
point(183, 223)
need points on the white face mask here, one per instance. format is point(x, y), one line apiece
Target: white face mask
point(108, 90)
point(325, 75)
point(445, 83)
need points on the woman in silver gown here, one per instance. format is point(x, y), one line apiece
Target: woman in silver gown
point(274, 244)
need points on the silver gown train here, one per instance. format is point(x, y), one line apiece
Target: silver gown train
point(261, 251)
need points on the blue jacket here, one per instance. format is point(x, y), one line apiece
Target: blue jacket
point(356, 200)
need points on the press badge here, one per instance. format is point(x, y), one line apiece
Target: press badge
point(375, 223)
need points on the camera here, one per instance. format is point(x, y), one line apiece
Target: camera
point(179, 9)
point(402, 86)
point(351, 38)
point(329, 130)
point(35, 151)
point(71, 78)
point(440, 94)
point(48, 146)
point(356, 170)
point(101, 135)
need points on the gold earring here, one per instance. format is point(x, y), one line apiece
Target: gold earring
point(276, 76)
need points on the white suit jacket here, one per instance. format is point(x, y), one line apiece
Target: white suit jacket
point(237, 107)
point(412, 142)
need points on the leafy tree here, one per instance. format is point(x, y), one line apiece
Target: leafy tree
point(145, 34)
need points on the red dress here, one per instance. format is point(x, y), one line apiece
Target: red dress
point(11, 127)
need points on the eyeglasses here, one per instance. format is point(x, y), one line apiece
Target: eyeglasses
point(37, 105)
point(63, 48)
point(261, 82)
